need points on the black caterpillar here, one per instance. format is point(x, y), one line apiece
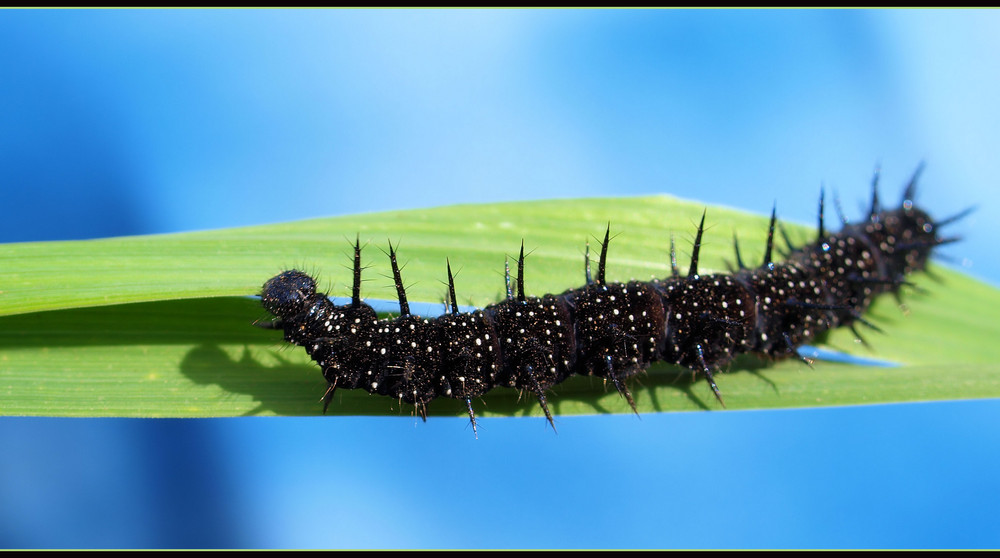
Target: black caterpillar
point(610, 330)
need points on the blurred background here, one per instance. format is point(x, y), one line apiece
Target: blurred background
point(149, 121)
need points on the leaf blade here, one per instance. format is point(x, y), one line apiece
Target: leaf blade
point(101, 353)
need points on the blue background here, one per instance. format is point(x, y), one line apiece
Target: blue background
point(136, 122)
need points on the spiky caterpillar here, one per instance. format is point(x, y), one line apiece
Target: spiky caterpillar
point(606, 329)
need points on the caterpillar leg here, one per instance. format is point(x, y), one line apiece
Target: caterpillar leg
point(619, 384)
point(708, 374)
point(540, 392)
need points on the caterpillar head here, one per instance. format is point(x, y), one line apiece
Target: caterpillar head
point(288, 294)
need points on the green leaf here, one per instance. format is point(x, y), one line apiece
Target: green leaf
point(160, 326)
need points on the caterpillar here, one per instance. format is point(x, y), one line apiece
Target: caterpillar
point(611, 330)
